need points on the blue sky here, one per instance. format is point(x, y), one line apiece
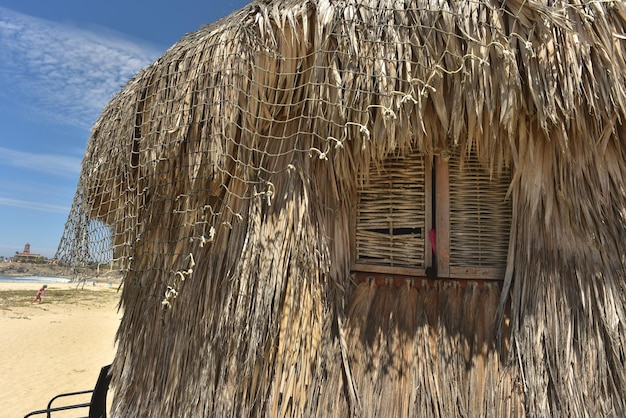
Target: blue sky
point(61, 61)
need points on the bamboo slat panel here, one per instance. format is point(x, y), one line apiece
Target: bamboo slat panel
point(391, 214)
point(480, 215)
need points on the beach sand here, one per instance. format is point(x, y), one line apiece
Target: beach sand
point(56, 346)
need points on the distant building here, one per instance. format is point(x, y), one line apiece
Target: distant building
point(27, 256)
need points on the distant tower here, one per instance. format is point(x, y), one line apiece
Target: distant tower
point(27, 248)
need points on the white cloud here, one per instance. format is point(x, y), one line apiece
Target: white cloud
point(60, 165)
point(64, 73)
point(24, 204)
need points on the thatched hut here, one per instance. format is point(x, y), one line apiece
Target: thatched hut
point(369, 208)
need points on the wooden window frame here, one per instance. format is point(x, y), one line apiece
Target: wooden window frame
point(441, 182)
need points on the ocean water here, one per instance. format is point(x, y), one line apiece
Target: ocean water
point(33, 279)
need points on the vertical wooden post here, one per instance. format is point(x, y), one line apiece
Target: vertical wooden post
point(428, 211)
point(443, 217)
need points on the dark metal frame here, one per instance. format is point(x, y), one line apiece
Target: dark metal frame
point(97, 405)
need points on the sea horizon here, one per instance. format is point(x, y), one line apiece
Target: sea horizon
point(33, 279)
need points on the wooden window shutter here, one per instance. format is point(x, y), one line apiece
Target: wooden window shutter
point(391, 226)
point(480, 219)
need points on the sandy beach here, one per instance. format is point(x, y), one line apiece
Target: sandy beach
point(56, 346)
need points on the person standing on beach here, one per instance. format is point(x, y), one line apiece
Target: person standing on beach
point(40, 293)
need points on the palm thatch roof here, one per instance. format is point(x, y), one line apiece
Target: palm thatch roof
point(222, 180)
